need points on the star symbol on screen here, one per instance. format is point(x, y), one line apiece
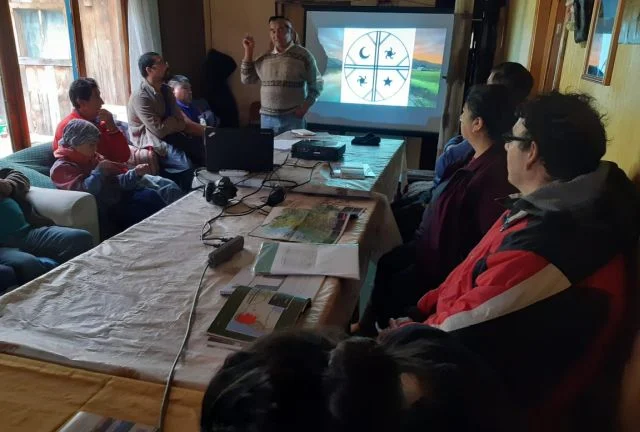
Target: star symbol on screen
point(389, 53)
point(387, 82)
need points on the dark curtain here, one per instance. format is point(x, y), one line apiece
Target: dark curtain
point(486, 16)
point(217, 69)
point(583, 10)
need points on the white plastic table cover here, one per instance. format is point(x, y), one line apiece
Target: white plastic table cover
point(387, 161)
point(122, 307)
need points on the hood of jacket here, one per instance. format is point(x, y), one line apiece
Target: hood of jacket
point(587, 220)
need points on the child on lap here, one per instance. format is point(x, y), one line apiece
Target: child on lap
point(122, 194)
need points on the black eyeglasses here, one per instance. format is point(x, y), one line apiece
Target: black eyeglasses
point(511, 138)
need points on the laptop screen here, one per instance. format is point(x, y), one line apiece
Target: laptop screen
point(245, 149)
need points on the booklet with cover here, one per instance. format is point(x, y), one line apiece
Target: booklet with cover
point(87, 422)
point(251, 312)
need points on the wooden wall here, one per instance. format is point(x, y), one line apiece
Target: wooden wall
point(620, 101)
point(46, 89)
point(104, 50)
point(229, 21)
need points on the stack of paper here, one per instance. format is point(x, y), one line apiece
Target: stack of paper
point(302, 132)
point(300, 286)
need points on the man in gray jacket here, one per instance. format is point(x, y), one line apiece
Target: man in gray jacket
point(156, 121)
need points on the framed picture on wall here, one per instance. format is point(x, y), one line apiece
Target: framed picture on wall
point(603, 40)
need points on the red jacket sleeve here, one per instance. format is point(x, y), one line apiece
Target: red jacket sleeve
point(113, 146)
point(512, 280)
point(67, 176)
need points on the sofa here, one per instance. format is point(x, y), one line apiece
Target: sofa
point(65, 208)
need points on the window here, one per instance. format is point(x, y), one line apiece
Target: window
point(42, 34)
point(55, 41)
point(44, 48)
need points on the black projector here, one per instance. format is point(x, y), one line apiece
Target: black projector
point(323, 150)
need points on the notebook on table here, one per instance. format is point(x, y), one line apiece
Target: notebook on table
point(252, 312)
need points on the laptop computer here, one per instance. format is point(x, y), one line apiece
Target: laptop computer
point(243, 149)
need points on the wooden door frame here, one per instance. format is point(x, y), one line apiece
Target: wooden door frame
point(14, 98)
point(540, 49)
point(124, 11)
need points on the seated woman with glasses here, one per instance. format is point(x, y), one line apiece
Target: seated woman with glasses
point(462, 209)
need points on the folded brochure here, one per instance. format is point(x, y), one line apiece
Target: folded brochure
point(251, 312)
point(339, 260)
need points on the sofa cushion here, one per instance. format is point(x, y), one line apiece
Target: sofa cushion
point(38, 158)
point(36, 178)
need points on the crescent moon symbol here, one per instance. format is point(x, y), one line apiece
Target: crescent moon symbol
point(362, 56)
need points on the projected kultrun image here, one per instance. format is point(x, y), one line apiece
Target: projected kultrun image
point(382, 66)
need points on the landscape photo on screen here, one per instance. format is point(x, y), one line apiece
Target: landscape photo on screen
point(382, 66)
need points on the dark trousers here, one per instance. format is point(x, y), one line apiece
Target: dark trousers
point(133, 207)
point(396, 288)
point(408, 214)
point(192, 146)
point(184, 153)
point(8, 278)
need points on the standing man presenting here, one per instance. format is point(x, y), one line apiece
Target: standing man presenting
point(289, 77)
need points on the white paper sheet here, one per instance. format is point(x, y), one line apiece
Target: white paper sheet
point(339, 260)
point(284, 144)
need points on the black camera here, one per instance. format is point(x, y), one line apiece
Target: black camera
point(220, 192)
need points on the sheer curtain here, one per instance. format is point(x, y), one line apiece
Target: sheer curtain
point(144, 34)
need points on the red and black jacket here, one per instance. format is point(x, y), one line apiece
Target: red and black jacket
point(541, 297)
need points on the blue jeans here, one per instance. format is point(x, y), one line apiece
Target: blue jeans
point(176, 166)
point(38, 250)
point(168, 190)
point(282, 123)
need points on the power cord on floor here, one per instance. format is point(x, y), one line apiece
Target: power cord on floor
point(187, 333)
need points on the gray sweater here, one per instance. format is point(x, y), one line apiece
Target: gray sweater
point(288, 79)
